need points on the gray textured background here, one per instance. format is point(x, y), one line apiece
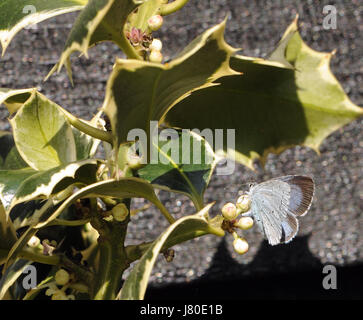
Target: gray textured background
point(330, 233)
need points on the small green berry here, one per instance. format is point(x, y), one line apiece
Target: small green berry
point(240, 245)
point(244, 203)
point(120, 212)
point(62, 277)
point(229, 211)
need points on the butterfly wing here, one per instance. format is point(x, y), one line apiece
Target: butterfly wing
point(277, 202)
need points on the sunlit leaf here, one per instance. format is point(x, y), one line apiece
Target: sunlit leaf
point(26, 184)
point(272, 107)
point(42, 134)
point(100, 20)
point(18, 14)
point(140, 91)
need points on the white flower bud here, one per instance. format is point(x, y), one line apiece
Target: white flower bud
point(156, 45)
point(244, 223)
point(240, 245)
point(155, 22)
point(229, 211)
point(156, 56)
point(33, 242)
point(244, 203)
point(62, 277)
point(120, 212)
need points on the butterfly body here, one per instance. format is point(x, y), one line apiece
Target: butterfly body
point(276, 203)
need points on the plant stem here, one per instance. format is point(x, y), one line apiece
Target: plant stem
point(113, 260)
point(135, 252)
point(60, 260)
point(88, 129)
point(38, 257)
point(173, 7)
point(69, 223)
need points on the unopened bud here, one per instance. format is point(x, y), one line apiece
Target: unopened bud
point(244, 223)
point(155, 22)
point(61, 277)
point(240, 245)
point(120, 212)
point(229, 211)
point(33, 242)
point(156, 45)
point(244, 203)
point(156, 56)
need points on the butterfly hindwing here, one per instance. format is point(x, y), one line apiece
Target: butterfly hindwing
point(276, 202)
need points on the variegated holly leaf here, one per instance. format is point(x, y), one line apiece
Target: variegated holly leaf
point(42, 134)
point(7, 235)
point(183, 164)
point(11, 275)
point(272, 106)
point(139, 91)
point(17, 186)
point(18, 14)
point(120, 189)
point(100, 20)
point(134, 287)
point(14, 98)
point(10, 159)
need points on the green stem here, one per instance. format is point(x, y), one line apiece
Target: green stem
point(60, 260)
point(172, 7)
point(113, 260)
point(31, 255)
point(135, 252)
point(69, 223)
point(165, 213)
point(88, 129)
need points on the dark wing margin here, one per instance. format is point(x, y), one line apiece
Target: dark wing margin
point(301, 194)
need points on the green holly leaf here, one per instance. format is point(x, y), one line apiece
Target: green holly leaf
point(270, 106)
point(18, 14)
point(100, 20)
point(179, 170)
point(139, 91)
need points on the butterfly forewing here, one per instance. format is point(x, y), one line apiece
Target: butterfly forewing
point(275, 204)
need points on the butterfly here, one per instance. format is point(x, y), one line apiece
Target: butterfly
point(275, 204)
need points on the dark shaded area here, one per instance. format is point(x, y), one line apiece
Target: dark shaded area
point(300, 282)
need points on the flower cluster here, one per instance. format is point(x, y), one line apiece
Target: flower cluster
point(230, 212)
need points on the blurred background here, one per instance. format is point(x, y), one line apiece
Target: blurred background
point(331, 233)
